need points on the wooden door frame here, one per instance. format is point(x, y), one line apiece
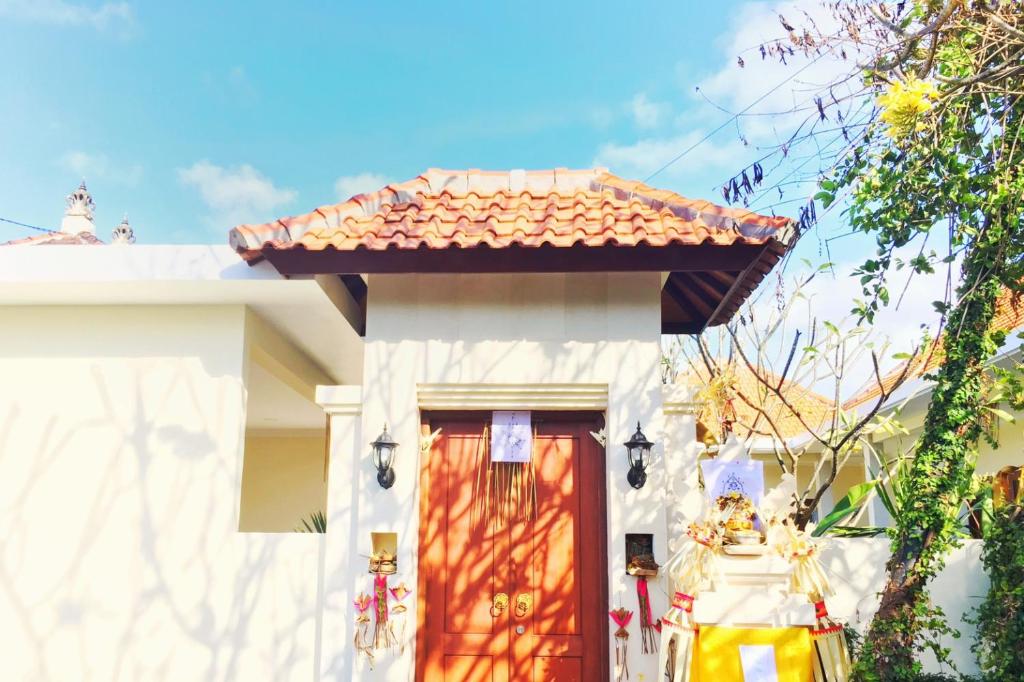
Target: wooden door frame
point(578, 416)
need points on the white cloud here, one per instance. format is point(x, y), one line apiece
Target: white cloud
point(99, 167)
point(646, 114)
point(732, 88)
point(830, 297)
point(347, 186)
point(735, 88)
point(62, 13)
point(235, 195)
point(639, 159)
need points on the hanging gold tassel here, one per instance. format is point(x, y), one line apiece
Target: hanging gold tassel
point(504, 491)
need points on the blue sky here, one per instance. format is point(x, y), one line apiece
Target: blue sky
point(182, 114)
point(195, 116)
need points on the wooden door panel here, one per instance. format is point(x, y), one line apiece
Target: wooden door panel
point(554, 669)
point(464, 563)
point(558, 558)
point(554, 537)
point(467, 669)
point(469, 558)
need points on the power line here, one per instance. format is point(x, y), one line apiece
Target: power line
point(735, 116)
point(31, 227)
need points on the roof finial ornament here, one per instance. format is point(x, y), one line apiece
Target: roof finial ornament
point(123, 233)
point(78, 212)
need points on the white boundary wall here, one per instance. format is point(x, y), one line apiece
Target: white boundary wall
point(120, 470)
point(857, 569)
point(121, 457)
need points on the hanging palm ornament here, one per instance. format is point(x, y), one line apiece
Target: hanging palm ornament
point(506, 484)
point(361, 640)
point(832, 656)
point(621, 618)
point(717, 396)
point(690, 570)
point(642, 567)
point(399, 614)
point(678, 635)
point(381, 632)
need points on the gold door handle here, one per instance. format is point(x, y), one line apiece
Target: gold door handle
point(499, 604)
point(524, 602)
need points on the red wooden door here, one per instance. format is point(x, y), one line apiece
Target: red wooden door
point(555, 561)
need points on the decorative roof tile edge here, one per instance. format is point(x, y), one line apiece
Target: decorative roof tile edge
point(739, 224)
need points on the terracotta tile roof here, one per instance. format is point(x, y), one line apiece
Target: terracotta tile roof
point(560, 208)
point(56, 238)
point(813, 408)
point(1009, 316)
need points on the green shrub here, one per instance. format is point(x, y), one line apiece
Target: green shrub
point(999, 641)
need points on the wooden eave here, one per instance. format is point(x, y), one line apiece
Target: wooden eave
point(706, 284)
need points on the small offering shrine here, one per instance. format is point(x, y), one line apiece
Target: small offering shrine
point(749, 593)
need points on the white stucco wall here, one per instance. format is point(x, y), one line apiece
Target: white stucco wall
point(472, 329)
point(120, 471)
point(856, 568)
point(121, 465)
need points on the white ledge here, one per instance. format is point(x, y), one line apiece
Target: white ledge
point(680, 399)
point(512, 396)
point(340, 400)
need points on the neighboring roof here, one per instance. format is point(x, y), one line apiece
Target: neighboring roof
point(1008, 317)
point(56, 238)
point(534, 221)
point(813, 408)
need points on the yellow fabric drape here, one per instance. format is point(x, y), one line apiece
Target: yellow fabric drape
point(718, 653)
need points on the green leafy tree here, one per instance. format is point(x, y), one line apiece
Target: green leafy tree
point(1000, 617)
point(944, 154)
point(929, 152)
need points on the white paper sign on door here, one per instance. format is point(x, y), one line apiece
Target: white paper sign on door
point(758, 662)
point(511, 437)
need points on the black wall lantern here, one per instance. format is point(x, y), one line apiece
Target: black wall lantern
point(383, 457)
point(638, 450)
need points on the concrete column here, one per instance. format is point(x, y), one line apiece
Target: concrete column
point(683, 496)
point(338, 561)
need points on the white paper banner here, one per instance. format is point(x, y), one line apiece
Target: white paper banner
point(758, 661)
point(511, 437)
point(744, 476)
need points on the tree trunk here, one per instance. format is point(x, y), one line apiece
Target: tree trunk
point(939, 477)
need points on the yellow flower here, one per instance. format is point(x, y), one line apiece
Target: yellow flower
point(903, 104)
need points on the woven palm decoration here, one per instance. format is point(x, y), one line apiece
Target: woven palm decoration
point(831, 654)
point(361, 639)
point(690, 569)
point(399, 615)
point(382, 636)
point(621, 617)
point(678, 636)
point(504, 491)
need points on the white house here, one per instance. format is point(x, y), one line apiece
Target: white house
point(169, 414)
